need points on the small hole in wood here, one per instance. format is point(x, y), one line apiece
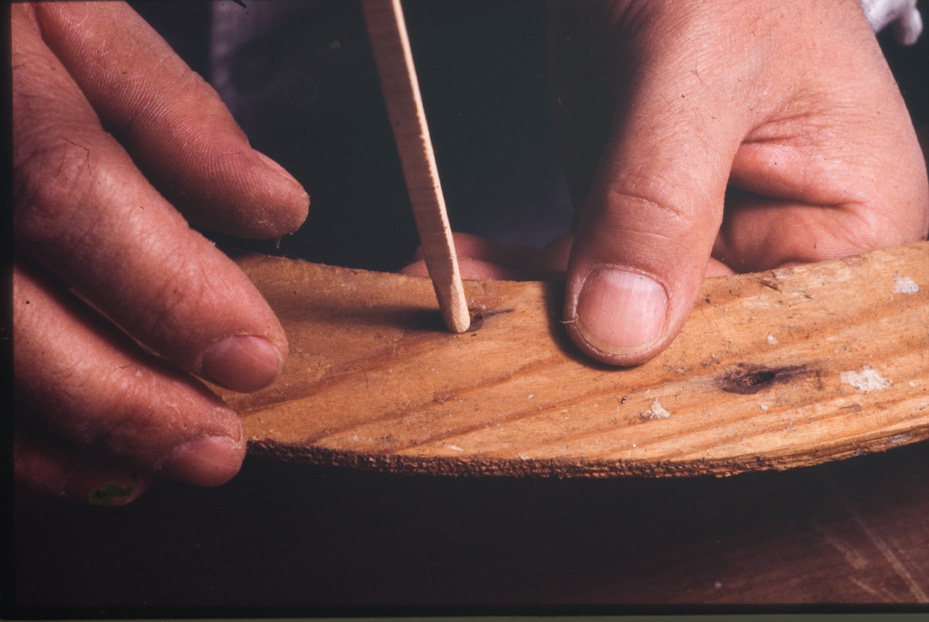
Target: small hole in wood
point(477, 320)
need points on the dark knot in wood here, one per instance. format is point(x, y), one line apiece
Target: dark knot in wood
point(747, 379)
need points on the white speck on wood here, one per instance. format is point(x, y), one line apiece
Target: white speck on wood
point(656, 411)
point(454, 447)
point(866, 380)
point(904, 284)
point(772, 340)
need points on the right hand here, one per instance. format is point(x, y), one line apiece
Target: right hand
point(715, 136)
point(117, 303)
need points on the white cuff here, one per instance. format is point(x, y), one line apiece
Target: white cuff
point(901, 15)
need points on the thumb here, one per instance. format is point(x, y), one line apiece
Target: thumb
point(651, 217)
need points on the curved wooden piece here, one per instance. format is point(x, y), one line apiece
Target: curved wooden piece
point(779, 369)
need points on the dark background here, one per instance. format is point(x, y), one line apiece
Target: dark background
point(482, 70)
point(317, 109)
point(288, 539)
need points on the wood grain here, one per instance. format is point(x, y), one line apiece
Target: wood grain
point(400, 86)
point(773, 370)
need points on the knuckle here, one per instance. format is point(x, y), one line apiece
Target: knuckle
point(187, 305)
point(168, 317)
point(50, 182)
point(129, 420)
point(859, 230)
point(653, 197)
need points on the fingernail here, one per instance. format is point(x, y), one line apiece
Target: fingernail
point(620, 311)
point(208, 461)
point(242, 363)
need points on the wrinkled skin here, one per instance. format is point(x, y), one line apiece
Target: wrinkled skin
point(741, 136)
point(102, 108)
point(701, 137)
point(706, 138)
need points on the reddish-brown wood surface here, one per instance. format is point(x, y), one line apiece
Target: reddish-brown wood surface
point(774, 370)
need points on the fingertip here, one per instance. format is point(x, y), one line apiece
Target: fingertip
point(480, 270)
point(294, 200)
point(620, 316)
point(206, 461)
point(417, 268)
point(242, 363)
point(50, 467)
point(248, 195)
point(717, 268)
point(475, 270)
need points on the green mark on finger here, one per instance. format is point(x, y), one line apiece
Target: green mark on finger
point(106, 496)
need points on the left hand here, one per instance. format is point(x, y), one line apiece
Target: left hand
point(117, 303)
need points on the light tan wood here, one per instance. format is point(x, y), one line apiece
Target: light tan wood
point(773, 370)
point(394, 58)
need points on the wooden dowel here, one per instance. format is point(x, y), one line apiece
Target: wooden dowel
point(394, 59)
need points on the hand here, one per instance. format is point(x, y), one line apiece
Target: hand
point(98, 98)
point(731, 136)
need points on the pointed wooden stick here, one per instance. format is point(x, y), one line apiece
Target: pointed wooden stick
point(394, 59)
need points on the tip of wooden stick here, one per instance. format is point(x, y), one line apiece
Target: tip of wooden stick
point(457, 318)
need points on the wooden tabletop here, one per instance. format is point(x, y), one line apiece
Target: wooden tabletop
point(298, 539)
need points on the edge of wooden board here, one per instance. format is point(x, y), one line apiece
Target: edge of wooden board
point(773, 370)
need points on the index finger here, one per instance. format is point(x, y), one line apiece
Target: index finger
point(82, 208)
point(171, 121)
